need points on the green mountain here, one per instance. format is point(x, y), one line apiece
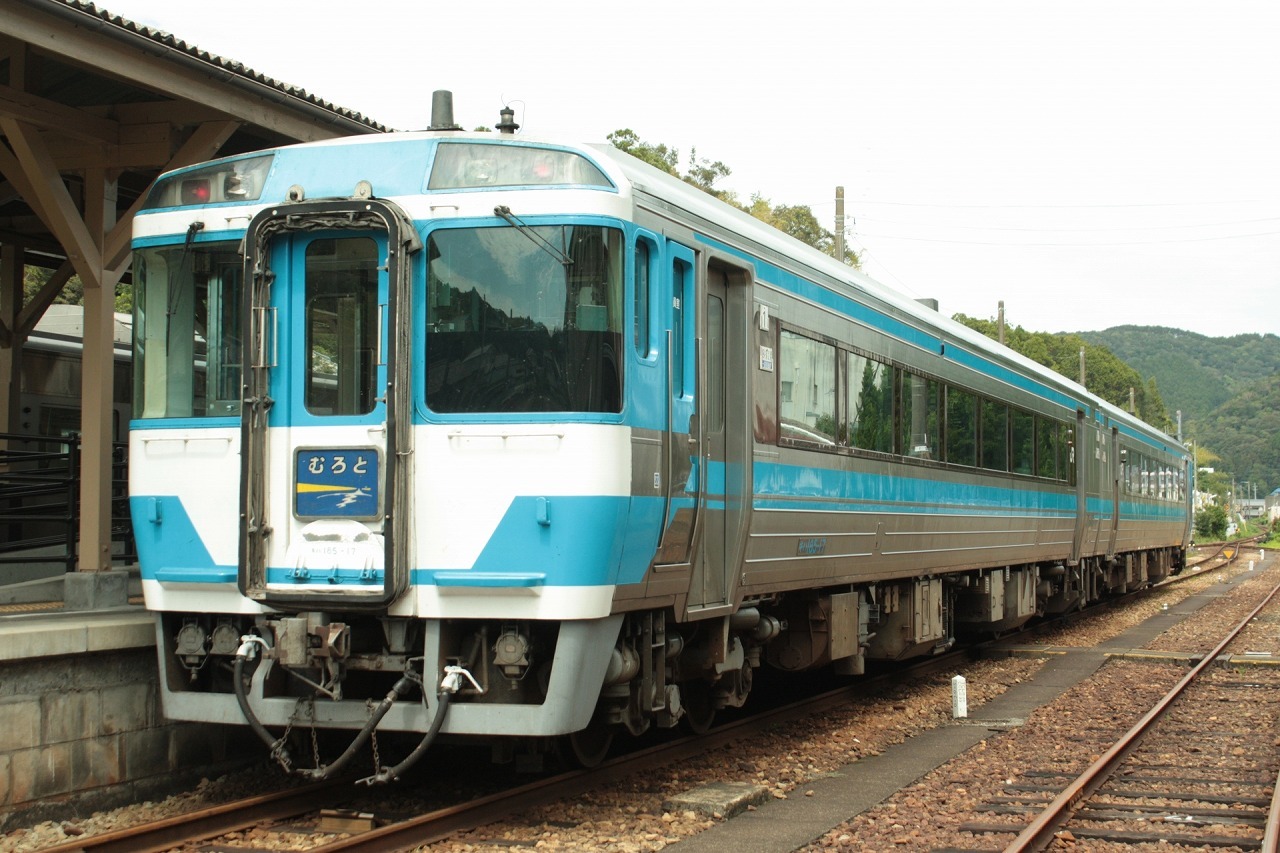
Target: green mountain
point(1228, 390)
point(1196, 374)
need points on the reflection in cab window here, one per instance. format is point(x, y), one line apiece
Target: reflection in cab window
point(807, 370)
point(870, 404)
point(525, 319)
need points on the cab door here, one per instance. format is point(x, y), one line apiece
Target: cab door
point(326, 438)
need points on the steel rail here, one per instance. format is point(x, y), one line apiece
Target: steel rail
point(1271, 832)
point(445, 822)
point(218, 820)
point(1040, 833)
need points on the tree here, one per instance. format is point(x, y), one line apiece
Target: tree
point(658, 156)
point(72, 293)
point(1211, 522)
point(1105, 374)
point(795, 220)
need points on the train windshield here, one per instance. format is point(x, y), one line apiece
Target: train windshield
point(524, 319)
point(187, 331)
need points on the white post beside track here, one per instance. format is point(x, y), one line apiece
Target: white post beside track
point(959, 698)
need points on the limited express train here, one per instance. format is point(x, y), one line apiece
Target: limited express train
point(473, 434)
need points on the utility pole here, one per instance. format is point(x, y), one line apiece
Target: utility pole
point(1082, 365)
point(840, 224)
point(1000, 322)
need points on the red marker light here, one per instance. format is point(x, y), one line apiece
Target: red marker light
point(195, 192)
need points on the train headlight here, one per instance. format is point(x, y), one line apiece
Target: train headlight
point(511, 653)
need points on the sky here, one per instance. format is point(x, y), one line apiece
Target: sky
point(1090, 164)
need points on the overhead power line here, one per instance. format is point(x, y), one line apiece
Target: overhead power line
point(1015, 244)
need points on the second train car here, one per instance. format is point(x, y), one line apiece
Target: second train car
point(487, 436)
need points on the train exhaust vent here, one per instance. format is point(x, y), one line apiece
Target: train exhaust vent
point(442, 111)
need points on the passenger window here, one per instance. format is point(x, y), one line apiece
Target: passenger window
point(680, 277)
point(920, 416)
point(808, 412)
point(641, 299)
point(995, 435)
point(1023, 446)
point(962, 422)
point(1047, 448)
point(714, 396)
point(870, 394)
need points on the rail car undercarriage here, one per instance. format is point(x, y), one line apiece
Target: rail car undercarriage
point(466, 677)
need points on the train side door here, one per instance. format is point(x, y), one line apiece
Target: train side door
point(1115, 473)
point(1079, 478)
point(723, 446)
point(326, 436)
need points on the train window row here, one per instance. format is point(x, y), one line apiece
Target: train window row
point(1147, 477)
point(832, 398)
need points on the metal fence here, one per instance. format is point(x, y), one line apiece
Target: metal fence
point(40, 500)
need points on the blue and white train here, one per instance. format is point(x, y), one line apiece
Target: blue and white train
point(474, 434)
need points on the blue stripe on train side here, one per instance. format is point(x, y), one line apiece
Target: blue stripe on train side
point(780, 486)
point(605, 540)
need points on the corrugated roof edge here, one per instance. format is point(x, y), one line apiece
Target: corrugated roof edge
point(238, 68)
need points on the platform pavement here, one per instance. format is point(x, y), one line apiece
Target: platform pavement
point(782, 826)
point(55, 616)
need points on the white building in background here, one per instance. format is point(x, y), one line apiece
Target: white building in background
point(1271, 505)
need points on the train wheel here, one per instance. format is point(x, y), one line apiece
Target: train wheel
point(590, 745)
point(699, 708)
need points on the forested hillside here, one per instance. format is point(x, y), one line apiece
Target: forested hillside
point(1196, 374)
point(1228, 389)
point(1105, 375)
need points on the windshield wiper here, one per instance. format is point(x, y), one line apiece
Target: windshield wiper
point(538, 240)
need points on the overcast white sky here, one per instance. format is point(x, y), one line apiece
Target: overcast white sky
point(1090, 163)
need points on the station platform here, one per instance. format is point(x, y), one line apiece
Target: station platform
point(79, 697)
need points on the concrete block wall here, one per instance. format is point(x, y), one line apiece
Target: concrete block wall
point(80, 723)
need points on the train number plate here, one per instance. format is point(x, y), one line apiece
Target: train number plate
point(337, 483)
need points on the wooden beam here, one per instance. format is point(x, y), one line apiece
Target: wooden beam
point(176, 113)
point(202, 145)
point(53, 202)
point(31, 313)
point(50, 115)
point(96, 379)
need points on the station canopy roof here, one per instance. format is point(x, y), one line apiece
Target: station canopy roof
point(97, 93)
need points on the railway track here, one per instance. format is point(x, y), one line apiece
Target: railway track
point(1165, 780)
point(301, 812)
point(298, 811)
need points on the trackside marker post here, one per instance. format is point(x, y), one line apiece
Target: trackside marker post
point(959, 698)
